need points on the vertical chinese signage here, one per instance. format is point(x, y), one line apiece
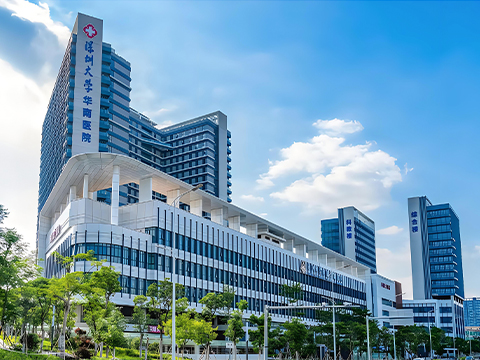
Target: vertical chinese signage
point(414, 221)
point(88, 77)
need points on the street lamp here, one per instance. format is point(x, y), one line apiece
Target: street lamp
point(430, 332)
point(173, 265)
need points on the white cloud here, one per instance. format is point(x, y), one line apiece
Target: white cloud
point(40, 13)
point(252, 198)
point(316, 156)
point(391, 230)
point(338, 127)
point(407, 169)
point(334, 174)
point(24, 104)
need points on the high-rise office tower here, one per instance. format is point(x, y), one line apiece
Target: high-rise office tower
point(435, 249)
point(471, 309)
point(89, 111)
point(351, 234)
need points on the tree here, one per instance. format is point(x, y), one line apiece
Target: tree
point(203, 334)
point(292, 294)
point(235, 325)
point(299, 338)
point(217, 304)
point(160, 304)
point(141, 318)
point(100, 287)
point(185, 329)
point(276, 340)
point(410, 337)
point(42, 311)
point(15, 268)
point(116, 325)
point(106, 279)
point(67, 287)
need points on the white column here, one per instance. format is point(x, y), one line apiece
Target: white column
point(234, 223)
point(145, 190)
point(196, 207)
point(115, 194)
point(288, 245)
point(92, 195)
point(73, 193)
point(172, 195)
point(322, 259)
point(301, 250)
point(217, 216)
point(252, 230)
point(85, 186)
point(313, 255)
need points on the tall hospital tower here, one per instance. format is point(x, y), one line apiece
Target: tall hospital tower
point(89, 111)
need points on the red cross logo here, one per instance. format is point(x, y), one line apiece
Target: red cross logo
point(90, 31)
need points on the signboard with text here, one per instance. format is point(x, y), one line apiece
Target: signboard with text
point(88, 77)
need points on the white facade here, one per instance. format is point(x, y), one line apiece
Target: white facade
point(382, 302)
point(71, 220)
point(446, 314)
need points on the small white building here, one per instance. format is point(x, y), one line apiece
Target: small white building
point(385, 300)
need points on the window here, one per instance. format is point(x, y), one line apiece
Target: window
point(134, 261)
point(142, 260)
point(151, 261)
point(117, 254)
point(126, 256)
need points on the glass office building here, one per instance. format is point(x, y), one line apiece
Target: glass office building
point(351, 234)
point(471, 309)
point(436, 250)
point(89, 111)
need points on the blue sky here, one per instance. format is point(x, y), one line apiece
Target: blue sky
point(402, 78)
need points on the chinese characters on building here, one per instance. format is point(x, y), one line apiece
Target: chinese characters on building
point(348, 222)
point(385, 286)
point(414, 215)
point(87, 99)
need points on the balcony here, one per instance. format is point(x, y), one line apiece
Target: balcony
point(103, 136)
point(104, 102)
point(106, 80)
point(102, 147)
point(105, 91)
point(229, 159)
point(106, 69)
point(104, 125)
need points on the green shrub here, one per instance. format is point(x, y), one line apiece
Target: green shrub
point(33, 341)
point(135, 343)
